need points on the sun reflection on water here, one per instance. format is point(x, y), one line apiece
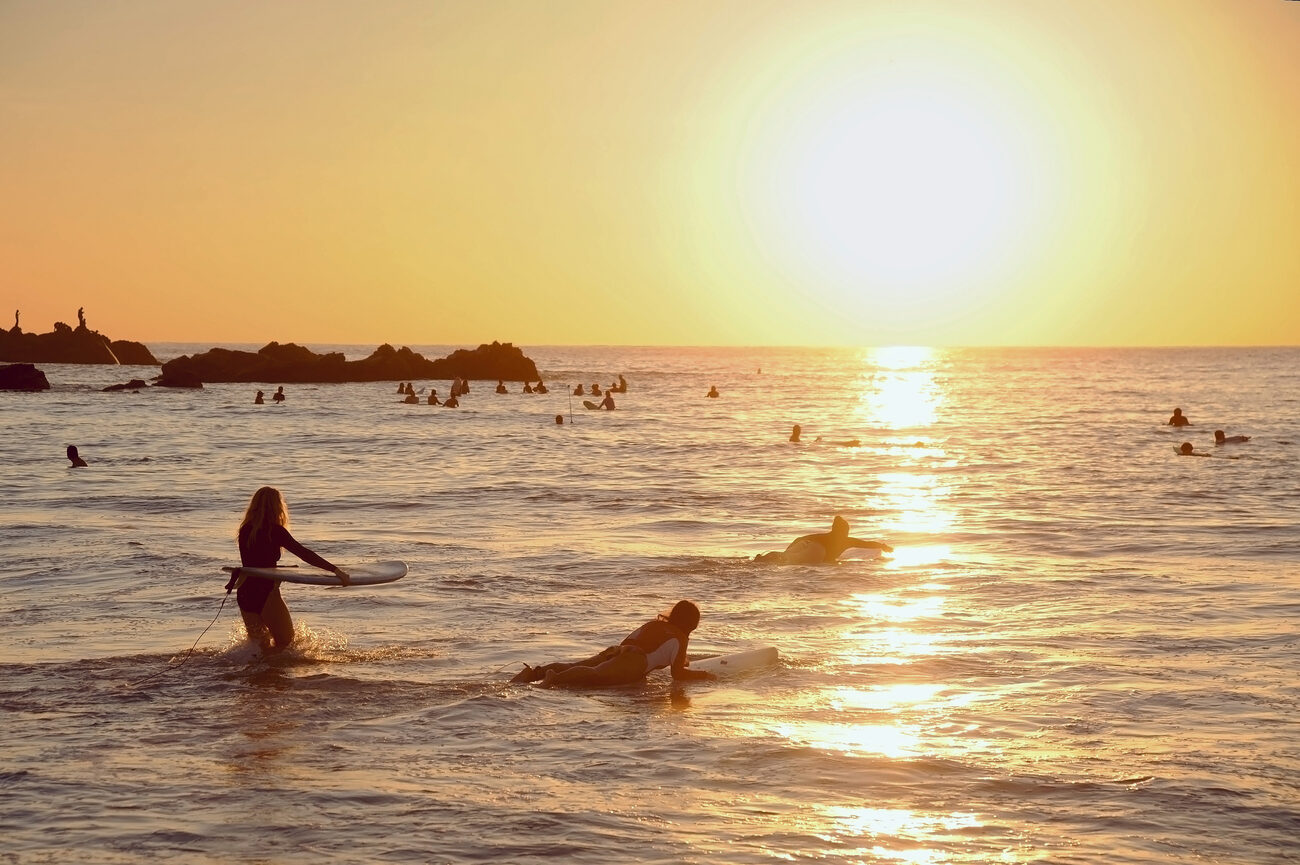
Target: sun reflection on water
point(901, 392)
point(897, 825)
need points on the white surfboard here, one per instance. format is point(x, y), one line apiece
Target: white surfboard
point(362, 575)
point(741, 662)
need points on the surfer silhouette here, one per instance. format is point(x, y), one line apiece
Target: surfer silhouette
point(1221, 439)
point(278, 396)
point(1179, 419)
point(263, 533)
point(660, 642)
point(260, 399)
point(77, 461)
point(823, 547)
point(608, 402)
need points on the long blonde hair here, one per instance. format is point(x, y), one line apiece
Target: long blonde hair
point(265, 509)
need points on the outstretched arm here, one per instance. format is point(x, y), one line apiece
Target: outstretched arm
point(858, 543)
point(291, 544)
point(682, 673)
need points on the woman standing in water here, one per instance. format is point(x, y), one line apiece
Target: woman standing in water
point(262, 534)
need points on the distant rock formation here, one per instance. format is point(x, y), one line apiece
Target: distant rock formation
point(22, 376)
point(296, 364)
point(133, 384)
point(65, 344)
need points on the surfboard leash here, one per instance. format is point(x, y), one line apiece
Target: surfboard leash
point(229, 588)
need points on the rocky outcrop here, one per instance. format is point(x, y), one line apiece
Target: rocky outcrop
point(295, 364)
point(178, 378)
point(65, 344)
point(22, 376)
point(500, 360)
point(133, 384)
point(132, 353)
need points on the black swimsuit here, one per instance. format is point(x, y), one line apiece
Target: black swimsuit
point(264, 552)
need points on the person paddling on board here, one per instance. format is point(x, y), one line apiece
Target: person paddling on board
point(823, 547)
point(262, 534)
point(1220, 438)
point(660, 642)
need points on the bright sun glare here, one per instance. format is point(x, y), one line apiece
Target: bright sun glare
point(899, 178)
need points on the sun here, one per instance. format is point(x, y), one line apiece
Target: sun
point(906, 180)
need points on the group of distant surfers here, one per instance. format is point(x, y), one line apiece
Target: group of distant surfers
point(1180, 420)
point(459, 387)
point(277, 397)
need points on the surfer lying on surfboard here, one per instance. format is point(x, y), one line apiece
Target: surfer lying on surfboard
point(262, 534)
point(660, 642)
point(823, 547)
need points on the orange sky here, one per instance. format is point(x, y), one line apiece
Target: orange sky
point(709, 173)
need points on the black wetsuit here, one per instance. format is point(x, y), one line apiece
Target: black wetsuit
point(264, 552)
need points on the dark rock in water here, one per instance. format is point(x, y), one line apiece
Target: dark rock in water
point(178, 378)
point(295, 364)
point(133, 384)
point(131, 353)
point(70, 345)
point(22, 376)
point(499, 360)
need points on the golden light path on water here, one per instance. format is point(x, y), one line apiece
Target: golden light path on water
point(900, 399)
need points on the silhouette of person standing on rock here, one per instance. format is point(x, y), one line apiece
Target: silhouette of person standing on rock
point(81, 317)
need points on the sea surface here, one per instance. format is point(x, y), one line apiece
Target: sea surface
point(1084, 648)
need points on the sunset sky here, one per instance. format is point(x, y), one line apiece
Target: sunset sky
point(655, 173)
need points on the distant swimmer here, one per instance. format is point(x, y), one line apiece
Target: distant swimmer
point(541, 388)
point(401, 387)
point(660, 642)
point(433, 397)
point(77, 461)
point(1179, 419)
point(559, 419)
point(607, 402)
point(1221, 439)
point(262, 534)
point(595, 389)
point(451, 402)
point(622, 383)
point(278, 396)
point(1185, 450)
point(713, 393)
point(260, 399)
point(577, 391)
point(528, 388)
point(795, 433)
point(411, 399)
point(822, 548)
point(501, 386)
point(839, 443)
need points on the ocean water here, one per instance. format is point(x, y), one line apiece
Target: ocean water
point(1084, 648)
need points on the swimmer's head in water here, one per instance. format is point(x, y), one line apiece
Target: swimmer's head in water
point(1218, 435)
point(72, 452)
point(559, 418)
point(684, 616)
point(839, 526)
point(1185, 448)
